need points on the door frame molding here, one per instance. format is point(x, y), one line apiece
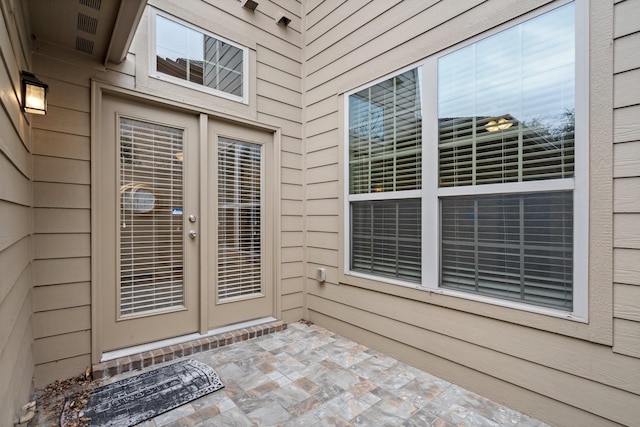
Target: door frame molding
point(98, 89)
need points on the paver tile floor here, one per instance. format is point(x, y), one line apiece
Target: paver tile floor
point(309, 376)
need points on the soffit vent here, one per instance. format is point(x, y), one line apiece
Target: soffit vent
point(87, 24)
point(84, 45)
point(93, 4)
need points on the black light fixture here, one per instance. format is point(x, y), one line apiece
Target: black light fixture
point(34, 94)
point(249, 4)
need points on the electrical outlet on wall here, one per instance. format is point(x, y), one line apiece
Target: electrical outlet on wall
point(321, 274)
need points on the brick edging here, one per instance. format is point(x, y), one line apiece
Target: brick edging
point(149, 358)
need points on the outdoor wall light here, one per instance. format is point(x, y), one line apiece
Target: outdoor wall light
point(249, 4)
point(34, 94)
point(500, 124)
point(281, 19)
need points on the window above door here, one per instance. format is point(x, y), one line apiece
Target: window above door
point(186, 55)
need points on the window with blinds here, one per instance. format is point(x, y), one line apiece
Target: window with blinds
point(385, 156)
point(385, 136)
point(239, 219)
point(185, 53)
point(385, 238)
point(151, 200)
point(506, 114)
point(518, 247)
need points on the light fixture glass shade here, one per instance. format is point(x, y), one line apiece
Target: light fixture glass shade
point(34, 94)
point(500, 124)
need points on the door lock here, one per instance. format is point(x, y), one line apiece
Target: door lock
point(193, 234)
point(192, 218)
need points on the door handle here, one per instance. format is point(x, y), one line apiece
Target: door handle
point(193, 234)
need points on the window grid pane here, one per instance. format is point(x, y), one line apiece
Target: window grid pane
point(386, 238)
point(517, 247)
point(385, 136)
point(190, 55)
point(507, 105)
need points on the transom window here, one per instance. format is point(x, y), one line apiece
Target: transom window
point(480, 198)
point(199, 59)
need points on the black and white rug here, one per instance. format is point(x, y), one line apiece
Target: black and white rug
point(132, 400)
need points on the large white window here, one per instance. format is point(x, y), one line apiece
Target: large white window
point(500, 198)
point(185, 55)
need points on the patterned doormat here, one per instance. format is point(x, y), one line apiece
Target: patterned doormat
point(132, 400)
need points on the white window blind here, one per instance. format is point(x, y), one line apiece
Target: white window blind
point(385, 238)
point(517, 247)
point(385, 155)
point(239, 219)
point(151, 240)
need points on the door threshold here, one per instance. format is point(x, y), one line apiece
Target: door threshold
point(140, 356)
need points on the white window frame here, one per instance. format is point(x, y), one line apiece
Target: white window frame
point(154, 73)
point(431, 193)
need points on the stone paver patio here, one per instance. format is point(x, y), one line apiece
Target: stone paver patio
point(306, 375)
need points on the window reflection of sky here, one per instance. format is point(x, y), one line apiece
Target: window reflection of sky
point(177, 41)
point(526, 71)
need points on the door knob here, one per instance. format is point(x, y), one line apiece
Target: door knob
point(193, 234)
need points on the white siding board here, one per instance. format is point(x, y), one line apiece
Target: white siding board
point(330, 224)
point(625, 302)
point(626, 159)
point(625, 56)
point(626, 88)
point(626, 17)
point(321, 107)
point(626, 124)
point(626, 195)
point(275, 60)
point(626, 231)
point(338, 24)
point(323, 141)
point(324, 240)
point(626, 266)
point(329, 206)
point(626, 339)
point(327, 173)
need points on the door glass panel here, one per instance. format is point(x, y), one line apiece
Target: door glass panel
point(239, 219)
point(151, 200)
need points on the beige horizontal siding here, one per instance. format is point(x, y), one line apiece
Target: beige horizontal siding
point(16, 200)
point(626, 186)
point(348, 45)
